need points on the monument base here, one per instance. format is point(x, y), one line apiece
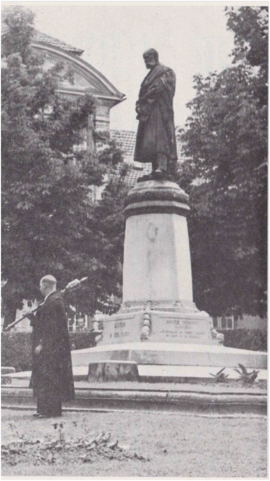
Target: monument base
point(175, 341)
point(171, 354)
point(163, 321)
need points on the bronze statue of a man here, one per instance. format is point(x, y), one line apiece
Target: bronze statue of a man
point(156, 141)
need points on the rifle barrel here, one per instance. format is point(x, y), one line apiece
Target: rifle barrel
point(7, 328)
point(67, 288)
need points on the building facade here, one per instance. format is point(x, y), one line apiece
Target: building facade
point(85, 78)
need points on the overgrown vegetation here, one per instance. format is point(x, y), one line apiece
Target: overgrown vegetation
point(225, 173)
point(50, 223)
point(50, 449)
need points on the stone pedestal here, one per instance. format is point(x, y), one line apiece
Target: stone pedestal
point(157, 264)
point(157, 281)
point(158, 323)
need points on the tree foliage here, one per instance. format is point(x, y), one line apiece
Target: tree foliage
point(225, 143)
point(50, 223)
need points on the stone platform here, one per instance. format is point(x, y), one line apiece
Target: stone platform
point(171, 354)
point(207, 400)
point(144, 373)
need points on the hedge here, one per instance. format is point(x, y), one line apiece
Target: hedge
point(250, 339)
point(16, 347)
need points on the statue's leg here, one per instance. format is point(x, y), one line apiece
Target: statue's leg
point(162, 162)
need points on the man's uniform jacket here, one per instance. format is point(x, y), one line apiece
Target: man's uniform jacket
point(53, 365)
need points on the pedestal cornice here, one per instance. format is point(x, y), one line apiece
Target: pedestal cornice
point(159, 207)
point(151, 190)
point(155, 196)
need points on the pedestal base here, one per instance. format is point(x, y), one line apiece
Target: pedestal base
point(171, 324)
point(165, 354)
point(175, 342)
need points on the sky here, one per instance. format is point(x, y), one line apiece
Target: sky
point(190, 39)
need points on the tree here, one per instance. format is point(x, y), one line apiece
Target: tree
point(225, 143)
point(49, 221)
point(106, 247)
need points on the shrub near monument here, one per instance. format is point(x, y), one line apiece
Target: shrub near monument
point(16, 347)
point(250, 339)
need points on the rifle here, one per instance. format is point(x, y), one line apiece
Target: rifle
point(73, 285)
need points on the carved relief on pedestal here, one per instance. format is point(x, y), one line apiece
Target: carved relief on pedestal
point(146, 327)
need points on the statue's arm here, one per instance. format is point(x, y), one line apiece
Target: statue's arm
point(166, 82)
point(149, 97)
point(154, 90)
point(169, 81)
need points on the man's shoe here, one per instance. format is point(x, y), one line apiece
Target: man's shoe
point(36, 415)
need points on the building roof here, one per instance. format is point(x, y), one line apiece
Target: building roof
point(86, 76)
point(43, 38)
point(126, 140)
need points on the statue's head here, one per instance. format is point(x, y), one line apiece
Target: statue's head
point(151, 58)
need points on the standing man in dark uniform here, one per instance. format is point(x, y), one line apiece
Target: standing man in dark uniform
point(52, 369)
point(156, 140)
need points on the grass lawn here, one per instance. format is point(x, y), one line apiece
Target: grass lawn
point(149, 444)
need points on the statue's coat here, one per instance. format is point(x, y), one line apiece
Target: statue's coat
point(156, 130)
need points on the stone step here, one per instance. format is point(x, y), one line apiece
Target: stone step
point(191, 372)
point(167, 354)
point(205, 403)
point(140, 372)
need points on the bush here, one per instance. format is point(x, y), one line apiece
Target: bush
point(16, 347)
point(81, 340)
point(250, 339)
point(16, 350)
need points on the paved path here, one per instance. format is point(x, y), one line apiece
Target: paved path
point(207, 387)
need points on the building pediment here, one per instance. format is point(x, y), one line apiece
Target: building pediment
point(85, 78)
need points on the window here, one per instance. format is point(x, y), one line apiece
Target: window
point(229, 323)
point(223, 323)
